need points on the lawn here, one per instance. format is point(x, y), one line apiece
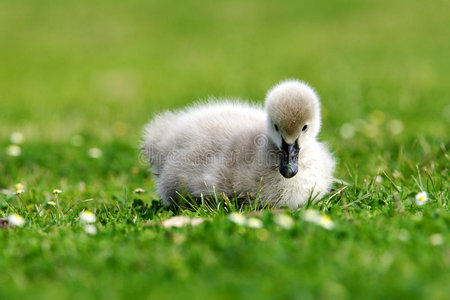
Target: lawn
point(79, 80)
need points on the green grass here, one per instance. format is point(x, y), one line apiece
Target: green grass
point(100, 69)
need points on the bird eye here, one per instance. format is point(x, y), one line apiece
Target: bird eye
point(304, 128)
point(276, 127)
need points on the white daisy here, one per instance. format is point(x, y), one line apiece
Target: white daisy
point(254, 223)
point(139, 191)
point(180, 221)
point(87, 216)
point(436, 239)
point(237, 218)
point(90, 229)
point(13, 150)
point(56, 191)
point(95, 152)
point(421, 198)
point(396, 126)
point(311, 215)
point(17, 138)
point(284, 221)
point(20, 189)
point(326, 222)
point(16, 220)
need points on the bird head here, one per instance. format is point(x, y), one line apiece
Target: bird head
point(293, 121)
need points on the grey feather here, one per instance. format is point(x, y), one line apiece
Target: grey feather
point(232, 147)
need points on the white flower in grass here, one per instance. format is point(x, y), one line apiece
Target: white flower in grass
point(56, 192)
point(90, 229)
point(326, 222)
point(311, 215)
point(180, 221)
point(284, 221)
point(13, 150)
point(20, 189)
point(17, 138)
point(139, 191)
point(19, 186)
point(52, 203)
point(396, 126)
point(436, 239)
point(16, 220)
point(87, 216)
point(254, 223)
point(237, 218)
point(18, 192)
point(421, 198)
point(95, 152)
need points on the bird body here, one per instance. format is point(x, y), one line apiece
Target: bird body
point(229, 147)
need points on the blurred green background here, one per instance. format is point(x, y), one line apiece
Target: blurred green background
point(86, 66)
point(77, 75)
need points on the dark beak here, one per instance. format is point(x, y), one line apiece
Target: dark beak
point(289, 159)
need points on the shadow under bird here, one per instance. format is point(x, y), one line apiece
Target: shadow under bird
point(243, 150)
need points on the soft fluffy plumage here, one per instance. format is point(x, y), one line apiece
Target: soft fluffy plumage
point(242, 150)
